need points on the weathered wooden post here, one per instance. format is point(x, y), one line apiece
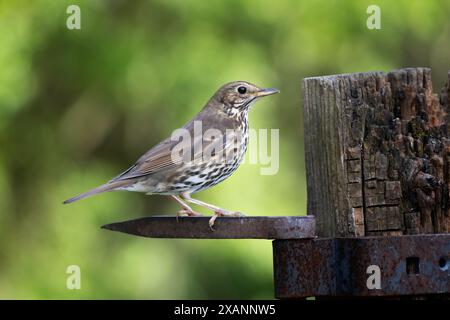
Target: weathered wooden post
point(377, 151)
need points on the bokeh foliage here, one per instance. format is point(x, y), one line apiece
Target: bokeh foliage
point(77, 107)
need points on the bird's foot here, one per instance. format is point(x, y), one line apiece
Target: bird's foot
point(189, 213)
point(223, 213)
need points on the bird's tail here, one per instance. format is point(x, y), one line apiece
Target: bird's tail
point(110, 186)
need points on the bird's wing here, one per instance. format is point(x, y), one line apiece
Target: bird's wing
point(156, 159)
point(165, 156)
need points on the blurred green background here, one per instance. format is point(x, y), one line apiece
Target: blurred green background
point(79, 106)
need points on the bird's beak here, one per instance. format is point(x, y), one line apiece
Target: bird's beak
point(266, 92)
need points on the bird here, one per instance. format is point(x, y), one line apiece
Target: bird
point(204, 152)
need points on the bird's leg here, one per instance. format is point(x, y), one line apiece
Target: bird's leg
point(186, 209)
point(218, 212)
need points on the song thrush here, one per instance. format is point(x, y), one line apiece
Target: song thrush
point(212, 147)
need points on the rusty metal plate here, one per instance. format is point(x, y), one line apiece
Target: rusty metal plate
point(290, 227)
point(408, 265)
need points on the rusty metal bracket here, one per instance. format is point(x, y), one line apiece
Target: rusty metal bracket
point(288, 227)
point(408, 265)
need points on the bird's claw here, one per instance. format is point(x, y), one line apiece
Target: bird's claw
point(223, 213)
point(211, 222)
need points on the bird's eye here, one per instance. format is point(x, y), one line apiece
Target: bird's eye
point(242, 90)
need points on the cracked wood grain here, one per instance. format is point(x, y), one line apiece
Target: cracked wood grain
point(377, 149)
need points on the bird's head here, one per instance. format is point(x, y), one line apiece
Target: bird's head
point(237, 97)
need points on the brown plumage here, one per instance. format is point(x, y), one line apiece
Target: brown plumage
point(202, 160)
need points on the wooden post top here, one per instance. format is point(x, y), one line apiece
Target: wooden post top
point(377, 149)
